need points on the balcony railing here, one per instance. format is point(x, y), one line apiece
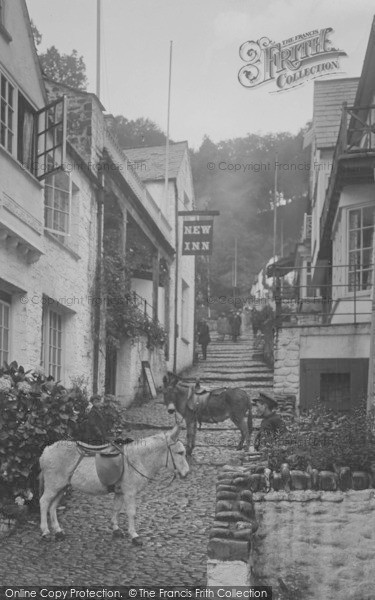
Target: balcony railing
point(345, 296)
point(356, 136)
point(306, 231)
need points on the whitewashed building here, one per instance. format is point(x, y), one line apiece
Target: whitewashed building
point(48, 221)
point(67, 189)
point(150, 165)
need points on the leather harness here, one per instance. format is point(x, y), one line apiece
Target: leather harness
point(112, 451)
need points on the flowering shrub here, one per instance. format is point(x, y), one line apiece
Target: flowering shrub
point(324, 439)
point(35, 412)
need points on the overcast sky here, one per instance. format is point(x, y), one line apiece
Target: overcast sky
point(206, 95)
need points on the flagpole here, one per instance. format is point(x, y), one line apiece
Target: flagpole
point(275, 212)
point(98, 46)
point(166, 189)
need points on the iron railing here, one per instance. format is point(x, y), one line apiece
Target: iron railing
point(345, 293)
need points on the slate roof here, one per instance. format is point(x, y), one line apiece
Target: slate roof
point(154, 159)
point(329, 95)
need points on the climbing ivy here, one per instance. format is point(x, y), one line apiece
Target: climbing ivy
point(124, 317)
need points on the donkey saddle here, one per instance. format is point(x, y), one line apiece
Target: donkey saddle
point(204, 403)
point(109, 462)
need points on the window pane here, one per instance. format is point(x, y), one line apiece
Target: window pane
point(366, 279)
point(354, 219)
point(366, 259)
point(354, 239)
point(62, 181)
point(6, 316)
point(367, 237)
point(354, 259)
point(10, 94)
point(368, 216)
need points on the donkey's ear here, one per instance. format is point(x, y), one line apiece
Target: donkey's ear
point(175, 433)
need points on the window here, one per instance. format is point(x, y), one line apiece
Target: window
point(335, 390)
point(52, 343)
point(7, 123)
point(25, 133)
point(36, 138)
point(4, 330)
point(57, 203)
point(360, 233)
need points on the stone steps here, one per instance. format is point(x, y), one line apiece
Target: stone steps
point(233, 364)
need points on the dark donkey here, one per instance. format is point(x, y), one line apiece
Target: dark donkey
point(212, 406)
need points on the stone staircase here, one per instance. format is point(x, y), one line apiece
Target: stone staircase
point(233, 364)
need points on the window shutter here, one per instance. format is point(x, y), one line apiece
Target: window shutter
point(50, 151)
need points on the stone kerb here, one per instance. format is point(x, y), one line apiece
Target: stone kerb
point(232, 541)
point(229, 548)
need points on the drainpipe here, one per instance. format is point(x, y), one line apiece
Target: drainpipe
point(98, 281)
point(176, 284)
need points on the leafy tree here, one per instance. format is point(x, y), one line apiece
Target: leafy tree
point(244, 197)
point(69, 69)
point(138, 132)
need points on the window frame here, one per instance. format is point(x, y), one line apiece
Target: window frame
point(5, 304)
point(60, 235)
point(55, 369)
point(14, 108)
point(49, 136)
point(350, 289)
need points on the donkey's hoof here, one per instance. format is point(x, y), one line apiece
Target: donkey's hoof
point(60, 535)
point(46, 537)
point(137, 542)
point(117, 533)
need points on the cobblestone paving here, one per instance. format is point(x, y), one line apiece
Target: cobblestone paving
point(173, 521)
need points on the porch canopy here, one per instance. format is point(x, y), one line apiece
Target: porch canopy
point(281, 267)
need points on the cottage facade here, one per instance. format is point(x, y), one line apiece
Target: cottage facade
point(179, 319)
point(48, 224)
point(325, 354)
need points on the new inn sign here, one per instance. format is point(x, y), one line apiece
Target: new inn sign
point(197, 237)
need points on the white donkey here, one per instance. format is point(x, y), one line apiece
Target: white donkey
point(64, 463)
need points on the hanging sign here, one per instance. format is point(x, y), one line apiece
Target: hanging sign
point(197, 237)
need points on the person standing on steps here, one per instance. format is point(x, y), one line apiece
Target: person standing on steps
point(236, 326)
point(222, 327)
point(204, 337)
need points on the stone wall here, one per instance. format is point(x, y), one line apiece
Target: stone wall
point(229, 548)
point(296, 342)
point(286, 362)
point(311, 534)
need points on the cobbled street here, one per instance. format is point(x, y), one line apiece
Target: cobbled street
point(173, 520)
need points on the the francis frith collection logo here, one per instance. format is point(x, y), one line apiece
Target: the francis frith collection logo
point(290, 62)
